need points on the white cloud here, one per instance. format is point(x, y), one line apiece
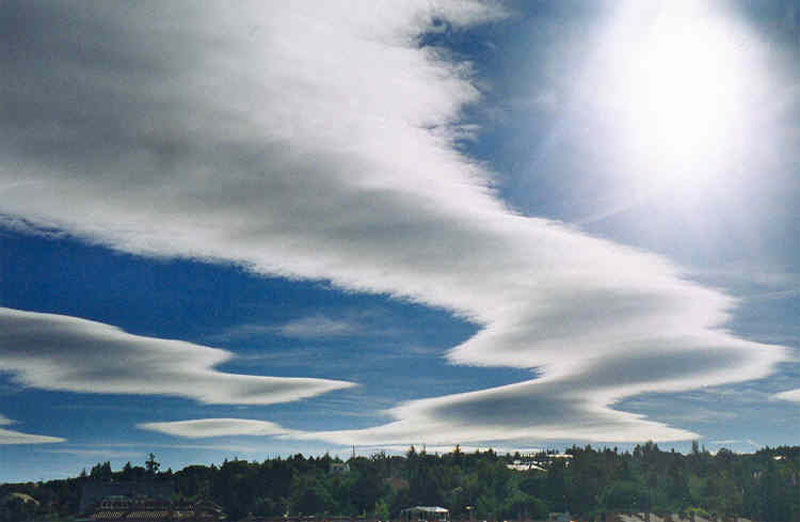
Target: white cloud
point(179, 445)
point(317, 327)
point(789, 395)
point(295, 138)
point(463, 448)
point(96, 453)
point(312, 327)
point(572, 406)
point(16, 437)
point(202, 428)
point(55, 352)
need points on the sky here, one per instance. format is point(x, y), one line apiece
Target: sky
point(318, 226)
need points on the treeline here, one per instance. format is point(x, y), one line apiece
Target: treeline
point(763, 486)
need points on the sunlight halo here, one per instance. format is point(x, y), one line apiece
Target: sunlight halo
point(679, 79)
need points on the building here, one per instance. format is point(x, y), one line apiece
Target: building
point(425, 514)
point(96, 492)
point(338, 468)
point(119, 508)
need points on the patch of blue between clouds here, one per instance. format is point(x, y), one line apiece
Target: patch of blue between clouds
point(393, 349)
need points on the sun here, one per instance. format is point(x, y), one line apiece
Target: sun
point(679, 81)
point(683, 88)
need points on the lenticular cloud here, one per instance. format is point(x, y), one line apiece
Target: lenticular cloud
point(312, 140)
point(56, 352)
point(17, 437)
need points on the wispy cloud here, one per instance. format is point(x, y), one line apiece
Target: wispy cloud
point(464, 448)
point(229, 427)
point(187, 446)
point(307, 140)
point(312, 327)
point(317, 327)
point(96, 453)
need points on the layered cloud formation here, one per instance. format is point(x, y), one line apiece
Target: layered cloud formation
point(53, 352)
point(315, 141)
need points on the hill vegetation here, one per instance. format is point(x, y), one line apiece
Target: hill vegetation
point(763, 486)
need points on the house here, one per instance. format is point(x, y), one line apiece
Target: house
point(95, 492)
point(338, 468)
point(425, 514)
point(522, 465)
point(142, 509)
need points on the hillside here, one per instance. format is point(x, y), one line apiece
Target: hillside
point(589, 483)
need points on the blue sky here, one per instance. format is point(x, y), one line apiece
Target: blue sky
point(302, 227)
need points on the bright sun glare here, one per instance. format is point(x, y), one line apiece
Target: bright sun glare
point(679, 77)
